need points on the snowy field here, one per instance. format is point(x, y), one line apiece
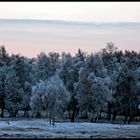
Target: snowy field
point(40, 128)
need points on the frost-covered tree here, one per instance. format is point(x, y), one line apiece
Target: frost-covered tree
point(104, 81)
point(136, 90)
point(124, 93)
point(92, 92)
point(25, 103)
point(27, 84)
point(9, 86)
point(2, 89)
point(43, 65)
point(69, 74)
point(100, 93)
point(18, 64)
point(66, 73)
point(54, 62)
point(47, 64)
point(82, 88)
point(94, 64)
point(33, 73)
point(112, 59)
point(131, 59)
point(51, 96)
point(56, 98)
point(23, 69)
point(109, 58)
point(36, 98)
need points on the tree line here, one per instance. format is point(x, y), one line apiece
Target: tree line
point(83, 86)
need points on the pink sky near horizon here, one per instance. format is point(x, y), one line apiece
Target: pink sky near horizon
point(30, 40)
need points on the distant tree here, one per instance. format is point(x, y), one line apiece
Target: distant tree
point(47, 64)
point(18, 64)
point(4, 56)
point(108, 57)
point(94, 63)
point(43, 66)
point(54, 62)
point(33, 73)
point(110, 48)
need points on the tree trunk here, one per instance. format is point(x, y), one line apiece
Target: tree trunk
point(109, 111)
point(126, 116)
point(26, 114)
point(53, 120)
point(73, 117)
point(97, 117)
point(125, 119)
point(50, 116)
point(130, 119)
point(114, 115)
point(108, 115)
point(131, 116)
point(13, 113)
point(2, 113)
point(100, 115)
point(38, 115)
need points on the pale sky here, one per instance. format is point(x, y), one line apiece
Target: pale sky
point(31, 38)
point(77, 11)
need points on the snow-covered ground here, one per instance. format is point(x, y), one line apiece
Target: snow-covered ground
point(40, 128)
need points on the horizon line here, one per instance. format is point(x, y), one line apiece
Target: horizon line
point(70, 21)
